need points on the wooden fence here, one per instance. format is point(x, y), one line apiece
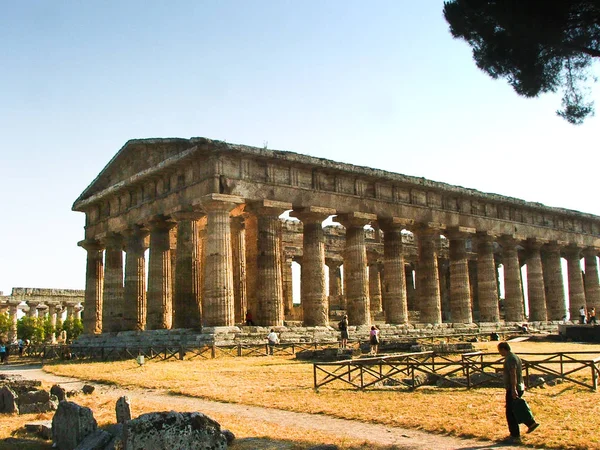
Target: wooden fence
point(405, 369)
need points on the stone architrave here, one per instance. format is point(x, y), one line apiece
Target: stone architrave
point(312, 281)
point(335, 283)
point(269, 285)
point(553, 280)
point(112, 298)
point(94, 280)
point(428, 283)
point(187, 298)
point(238, 245)
point(160, 295)
point(218, 295)
point(394, 293)
point(460, 286)
point(486, 279)
point(536, 291)
point(374, 282)
point(134, 292)
point(592, 285)
point(356, 277)
point(576, 289)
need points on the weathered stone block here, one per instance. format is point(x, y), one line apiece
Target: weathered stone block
point(95, 441)
point(59, 392)
point(123, 410)
point(168, 430)
point(71, 425)
point(8, 401)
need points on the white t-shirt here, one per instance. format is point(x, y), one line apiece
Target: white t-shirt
point(582, 312)
point(272, 337)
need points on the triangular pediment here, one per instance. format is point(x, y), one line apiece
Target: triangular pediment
point(136, 156)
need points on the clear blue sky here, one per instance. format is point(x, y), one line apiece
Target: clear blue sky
point(380, 84)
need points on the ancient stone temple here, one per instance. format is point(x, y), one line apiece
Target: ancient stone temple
point(208, 213)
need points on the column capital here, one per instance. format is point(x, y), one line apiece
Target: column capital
point(113, 240)
point(333, 263)
point(219, 202)
point(373, 256)
point(270, 208)
point(428, 229)
point(590, 252)
point(459, 232)
point(535, 243)
point(313, 214)
point(554, 246)
point(136, 231)
point(187, 215)
point(486, 236)
point(394, 223)
point(509, 241)
point(572, 251)
point(355, 219)
point(161, 223)
point(238, 223)
point(91, 245)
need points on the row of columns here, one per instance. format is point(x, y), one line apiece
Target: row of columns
point(215, 281)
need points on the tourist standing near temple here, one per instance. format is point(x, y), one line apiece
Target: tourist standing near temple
point(582, 314)
point(517, 410)
point(343, 326)
point(273, 340)
point(374, 340)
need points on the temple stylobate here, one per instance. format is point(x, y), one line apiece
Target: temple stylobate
point(208, 212)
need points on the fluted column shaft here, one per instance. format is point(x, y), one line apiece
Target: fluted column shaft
point(112, 298)
point(288, 294)
point(218, 295)
point(312, 281)
point(576, 289)
point(238, 249)
point(134, 292)
point(187, 298)
point(335, 284)
point(394, 283)
point(411, 292)
point(71, 310)
point(356, 277)
point(460, 286)
point(535, 284)
point(94, 280)
point(553, 281)
point(160, 283)
point(270, 283)
point(375, 288)
point(592, 285)
point(514, 310)
point(53, 313)
point(428, 283)
point(486, 280)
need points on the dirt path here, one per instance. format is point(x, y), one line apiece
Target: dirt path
point(403, 438)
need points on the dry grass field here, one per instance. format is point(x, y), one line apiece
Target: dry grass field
point(570, 415)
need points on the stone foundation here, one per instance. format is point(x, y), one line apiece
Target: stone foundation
point(223, 336)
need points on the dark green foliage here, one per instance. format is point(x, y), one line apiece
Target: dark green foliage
point(73, 327)
point(4, 325)
point(31, 328)
point(538, 46)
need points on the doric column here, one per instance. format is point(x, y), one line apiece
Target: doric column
point(460, 286)
point(411, 292)
point(356, 278)
point(592, 287)
point(70, 310)
point(486, 279)
point(394, 284)
point(374, 282)
point(514, 310)
point(160, 295)
point(112, 299)
point(576, 290)
point(218, 296)
point(553, 281)
point(238, 248)
point(134, 292)
point(94, 280)
point(335, 283)
point(269, 286)
point(535, 282)
point(53, 310)
point(32, 308)
point(312, 280)
point(187, 298)
point(13, 309)
point(428, 283)
point(288, 294)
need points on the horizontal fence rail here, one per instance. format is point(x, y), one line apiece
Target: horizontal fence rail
point(476, 369)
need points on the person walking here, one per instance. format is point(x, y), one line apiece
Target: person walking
point(343, 326)
point(592, 316)
point(273, 340)
point(582, 314)
point(517, 410)
point(374, 340)
point(2, 352)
